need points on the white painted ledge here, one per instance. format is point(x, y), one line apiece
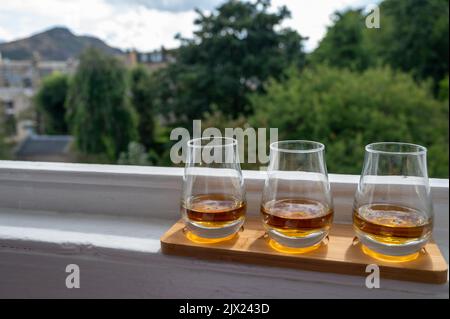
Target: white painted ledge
point(108, 220)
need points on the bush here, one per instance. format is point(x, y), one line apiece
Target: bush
point(136, 155)
point(346, 110)
point(5, 149)
point(98, 112)
point(50, 100)
point(142, 95)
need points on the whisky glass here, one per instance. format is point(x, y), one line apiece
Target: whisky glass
point(392, 210)
point(297, 206)
point(213, 204)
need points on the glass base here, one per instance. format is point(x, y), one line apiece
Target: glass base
point(205, 234)
point(395, 259)
point(300, 242)
point(289, 250)
point(200, 240)
point(388, 251)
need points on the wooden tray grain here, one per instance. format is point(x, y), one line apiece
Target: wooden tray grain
point(339, 256)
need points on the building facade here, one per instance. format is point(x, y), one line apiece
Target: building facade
point(19, 80)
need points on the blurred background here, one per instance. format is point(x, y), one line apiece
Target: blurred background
point(105, 81)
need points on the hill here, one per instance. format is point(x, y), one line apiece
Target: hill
point(58, 43)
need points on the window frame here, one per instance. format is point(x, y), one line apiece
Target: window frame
point(108, 219)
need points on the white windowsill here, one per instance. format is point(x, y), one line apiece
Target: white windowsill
point(108, 220)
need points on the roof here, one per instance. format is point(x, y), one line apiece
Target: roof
point(44, 145)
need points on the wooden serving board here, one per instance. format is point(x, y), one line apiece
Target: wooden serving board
point(340, 256)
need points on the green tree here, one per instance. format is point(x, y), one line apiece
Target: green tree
point(443, 89)
point(98, 110)
point(441, 126)
point(143, 100)
point(347, 110)
point(4, 146)
point(50, 102)
point(135, 155)
point(235, 50)
point(417, 39)
point(344, 44)
point(413, 37)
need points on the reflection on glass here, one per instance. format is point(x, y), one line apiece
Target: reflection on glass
point(297, 208)
point(213, 202)
point(393, 213)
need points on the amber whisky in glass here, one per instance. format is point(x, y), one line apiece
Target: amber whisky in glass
point(392, 211)
point(213, 204)
point(296, 207)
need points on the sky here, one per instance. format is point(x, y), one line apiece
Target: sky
point(148, 24)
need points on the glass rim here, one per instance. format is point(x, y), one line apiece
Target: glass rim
point(419, 149)
point(316, 146)
point(229, 142)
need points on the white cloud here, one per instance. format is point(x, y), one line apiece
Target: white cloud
point(24, 17)
point(120, 26)
point(311, 18)
point(146, 29)
point(171, 5)
point(148, 24)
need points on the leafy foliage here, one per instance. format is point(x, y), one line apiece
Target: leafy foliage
point(235, 50)
point(50, 102)
point(4, 147)
point(142, 98)
point(135, 155)
point(413, 38)
point(347, 110)
point(417, 41)
point(344, 44)
point(443, 89)
point(99, 115)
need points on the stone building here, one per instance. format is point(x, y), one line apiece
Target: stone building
point(153, 60)
point(19, 79)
